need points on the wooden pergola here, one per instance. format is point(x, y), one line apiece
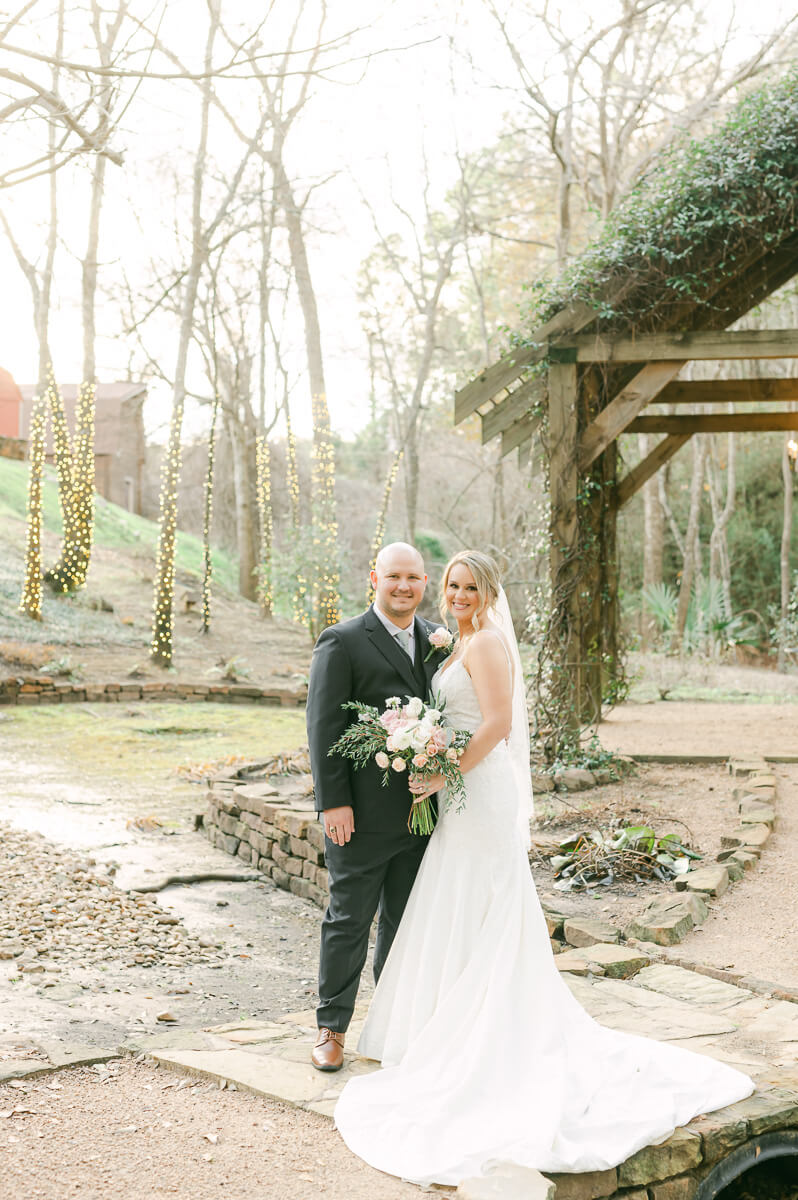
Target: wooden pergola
point(595, 387)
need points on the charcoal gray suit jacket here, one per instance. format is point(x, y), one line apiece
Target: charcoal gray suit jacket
point(360, 660)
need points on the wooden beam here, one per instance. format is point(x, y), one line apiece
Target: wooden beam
point(734, 344)
point(511, 409)
point(623, 408)
point(484, 387)
point(751, 422)
point(524, 454)
point(727, 391)
point(649, 466)
point(519, 433)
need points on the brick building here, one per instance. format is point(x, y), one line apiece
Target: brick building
point(119, 446)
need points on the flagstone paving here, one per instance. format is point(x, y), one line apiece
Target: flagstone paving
point(754, 1033)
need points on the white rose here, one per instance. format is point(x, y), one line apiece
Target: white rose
point(382, 759)
point(432, 715)
point(414, 706)
point(403, 739)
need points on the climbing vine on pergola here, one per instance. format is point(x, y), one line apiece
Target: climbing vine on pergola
point(705, 236)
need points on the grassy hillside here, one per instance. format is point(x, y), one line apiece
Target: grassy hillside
point(115, 528)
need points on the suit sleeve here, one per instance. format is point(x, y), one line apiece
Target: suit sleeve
point(329, 687)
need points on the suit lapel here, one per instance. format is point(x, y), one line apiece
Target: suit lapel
point(389, 648)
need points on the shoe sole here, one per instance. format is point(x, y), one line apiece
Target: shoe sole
point(326, 1068)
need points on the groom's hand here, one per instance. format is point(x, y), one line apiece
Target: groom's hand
point(339, 824)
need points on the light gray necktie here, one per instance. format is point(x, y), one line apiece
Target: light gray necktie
point(404, 638)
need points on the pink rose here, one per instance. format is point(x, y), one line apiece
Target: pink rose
point(452, 755)
point(420, 760)
point(399, 764)
point(389, 744)
point(382, 760)
point(440, 638)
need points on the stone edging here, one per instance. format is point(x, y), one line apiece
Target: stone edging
point(586, 946)
point(37, 689)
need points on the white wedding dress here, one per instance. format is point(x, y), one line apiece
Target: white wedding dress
point(486, 1055)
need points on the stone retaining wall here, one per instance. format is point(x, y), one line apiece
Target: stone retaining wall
point(273, 829)
point(37, 689)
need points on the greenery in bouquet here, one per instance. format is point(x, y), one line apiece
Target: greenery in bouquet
point(410, 737)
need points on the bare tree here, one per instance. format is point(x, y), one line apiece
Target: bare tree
point(612, 97)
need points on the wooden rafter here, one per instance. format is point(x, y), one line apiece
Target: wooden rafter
point(512, 408)
point(727, 391)
point(510, 366)
point(750, 422)
point(623, 408)
point(689, 346)
point(649, 466)
point(520, 432)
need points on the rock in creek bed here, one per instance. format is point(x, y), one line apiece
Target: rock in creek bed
point(54, 909)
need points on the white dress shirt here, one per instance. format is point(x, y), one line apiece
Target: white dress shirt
point(394, 629)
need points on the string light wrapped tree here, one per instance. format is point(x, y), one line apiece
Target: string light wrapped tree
point(379, 531)
point(264, 484)
point(207, 563)
point(326, 577)
point(31, 602)
point(74, 460)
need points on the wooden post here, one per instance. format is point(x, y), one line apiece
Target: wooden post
point(563, 487)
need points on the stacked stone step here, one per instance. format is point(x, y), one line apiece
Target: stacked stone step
point(42, 689)
point(666, 922)
point(279, 836)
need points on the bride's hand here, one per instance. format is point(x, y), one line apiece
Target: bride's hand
point(423, 786)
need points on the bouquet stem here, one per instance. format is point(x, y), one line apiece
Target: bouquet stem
point(420, 819)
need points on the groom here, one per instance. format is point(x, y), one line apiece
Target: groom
point(371, 857)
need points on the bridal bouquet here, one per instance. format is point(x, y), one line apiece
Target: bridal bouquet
point(410, 736)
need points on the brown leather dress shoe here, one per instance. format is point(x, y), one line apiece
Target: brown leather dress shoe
point(328, 1053)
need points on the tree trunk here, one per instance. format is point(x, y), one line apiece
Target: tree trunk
point(325, 572)
point(163, 622)
point(690, 564)
point(243, 448)
point(265, 582)
point(31, 602)
point(653, 539)
point(207, 518)
point(784, 558)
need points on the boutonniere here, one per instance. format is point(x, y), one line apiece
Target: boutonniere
point(440, 639)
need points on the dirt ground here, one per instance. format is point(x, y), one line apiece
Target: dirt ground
point(127, 1130)
point(752, 927)
point(102, 634)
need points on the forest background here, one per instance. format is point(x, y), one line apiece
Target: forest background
point(306, 227)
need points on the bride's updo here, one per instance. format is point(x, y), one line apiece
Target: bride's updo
point(486, 577)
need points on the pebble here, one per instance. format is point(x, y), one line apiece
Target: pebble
point(54, 909)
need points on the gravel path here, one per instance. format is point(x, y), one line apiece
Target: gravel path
point(127, 1130)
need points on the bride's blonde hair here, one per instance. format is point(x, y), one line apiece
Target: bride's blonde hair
point(486, 577)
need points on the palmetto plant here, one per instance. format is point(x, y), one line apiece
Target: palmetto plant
point(710, 627)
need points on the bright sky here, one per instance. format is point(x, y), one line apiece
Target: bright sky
point(364, 133)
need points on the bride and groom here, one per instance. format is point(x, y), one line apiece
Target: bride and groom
point(485, 1054)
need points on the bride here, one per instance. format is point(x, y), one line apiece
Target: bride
point(486, 1055)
